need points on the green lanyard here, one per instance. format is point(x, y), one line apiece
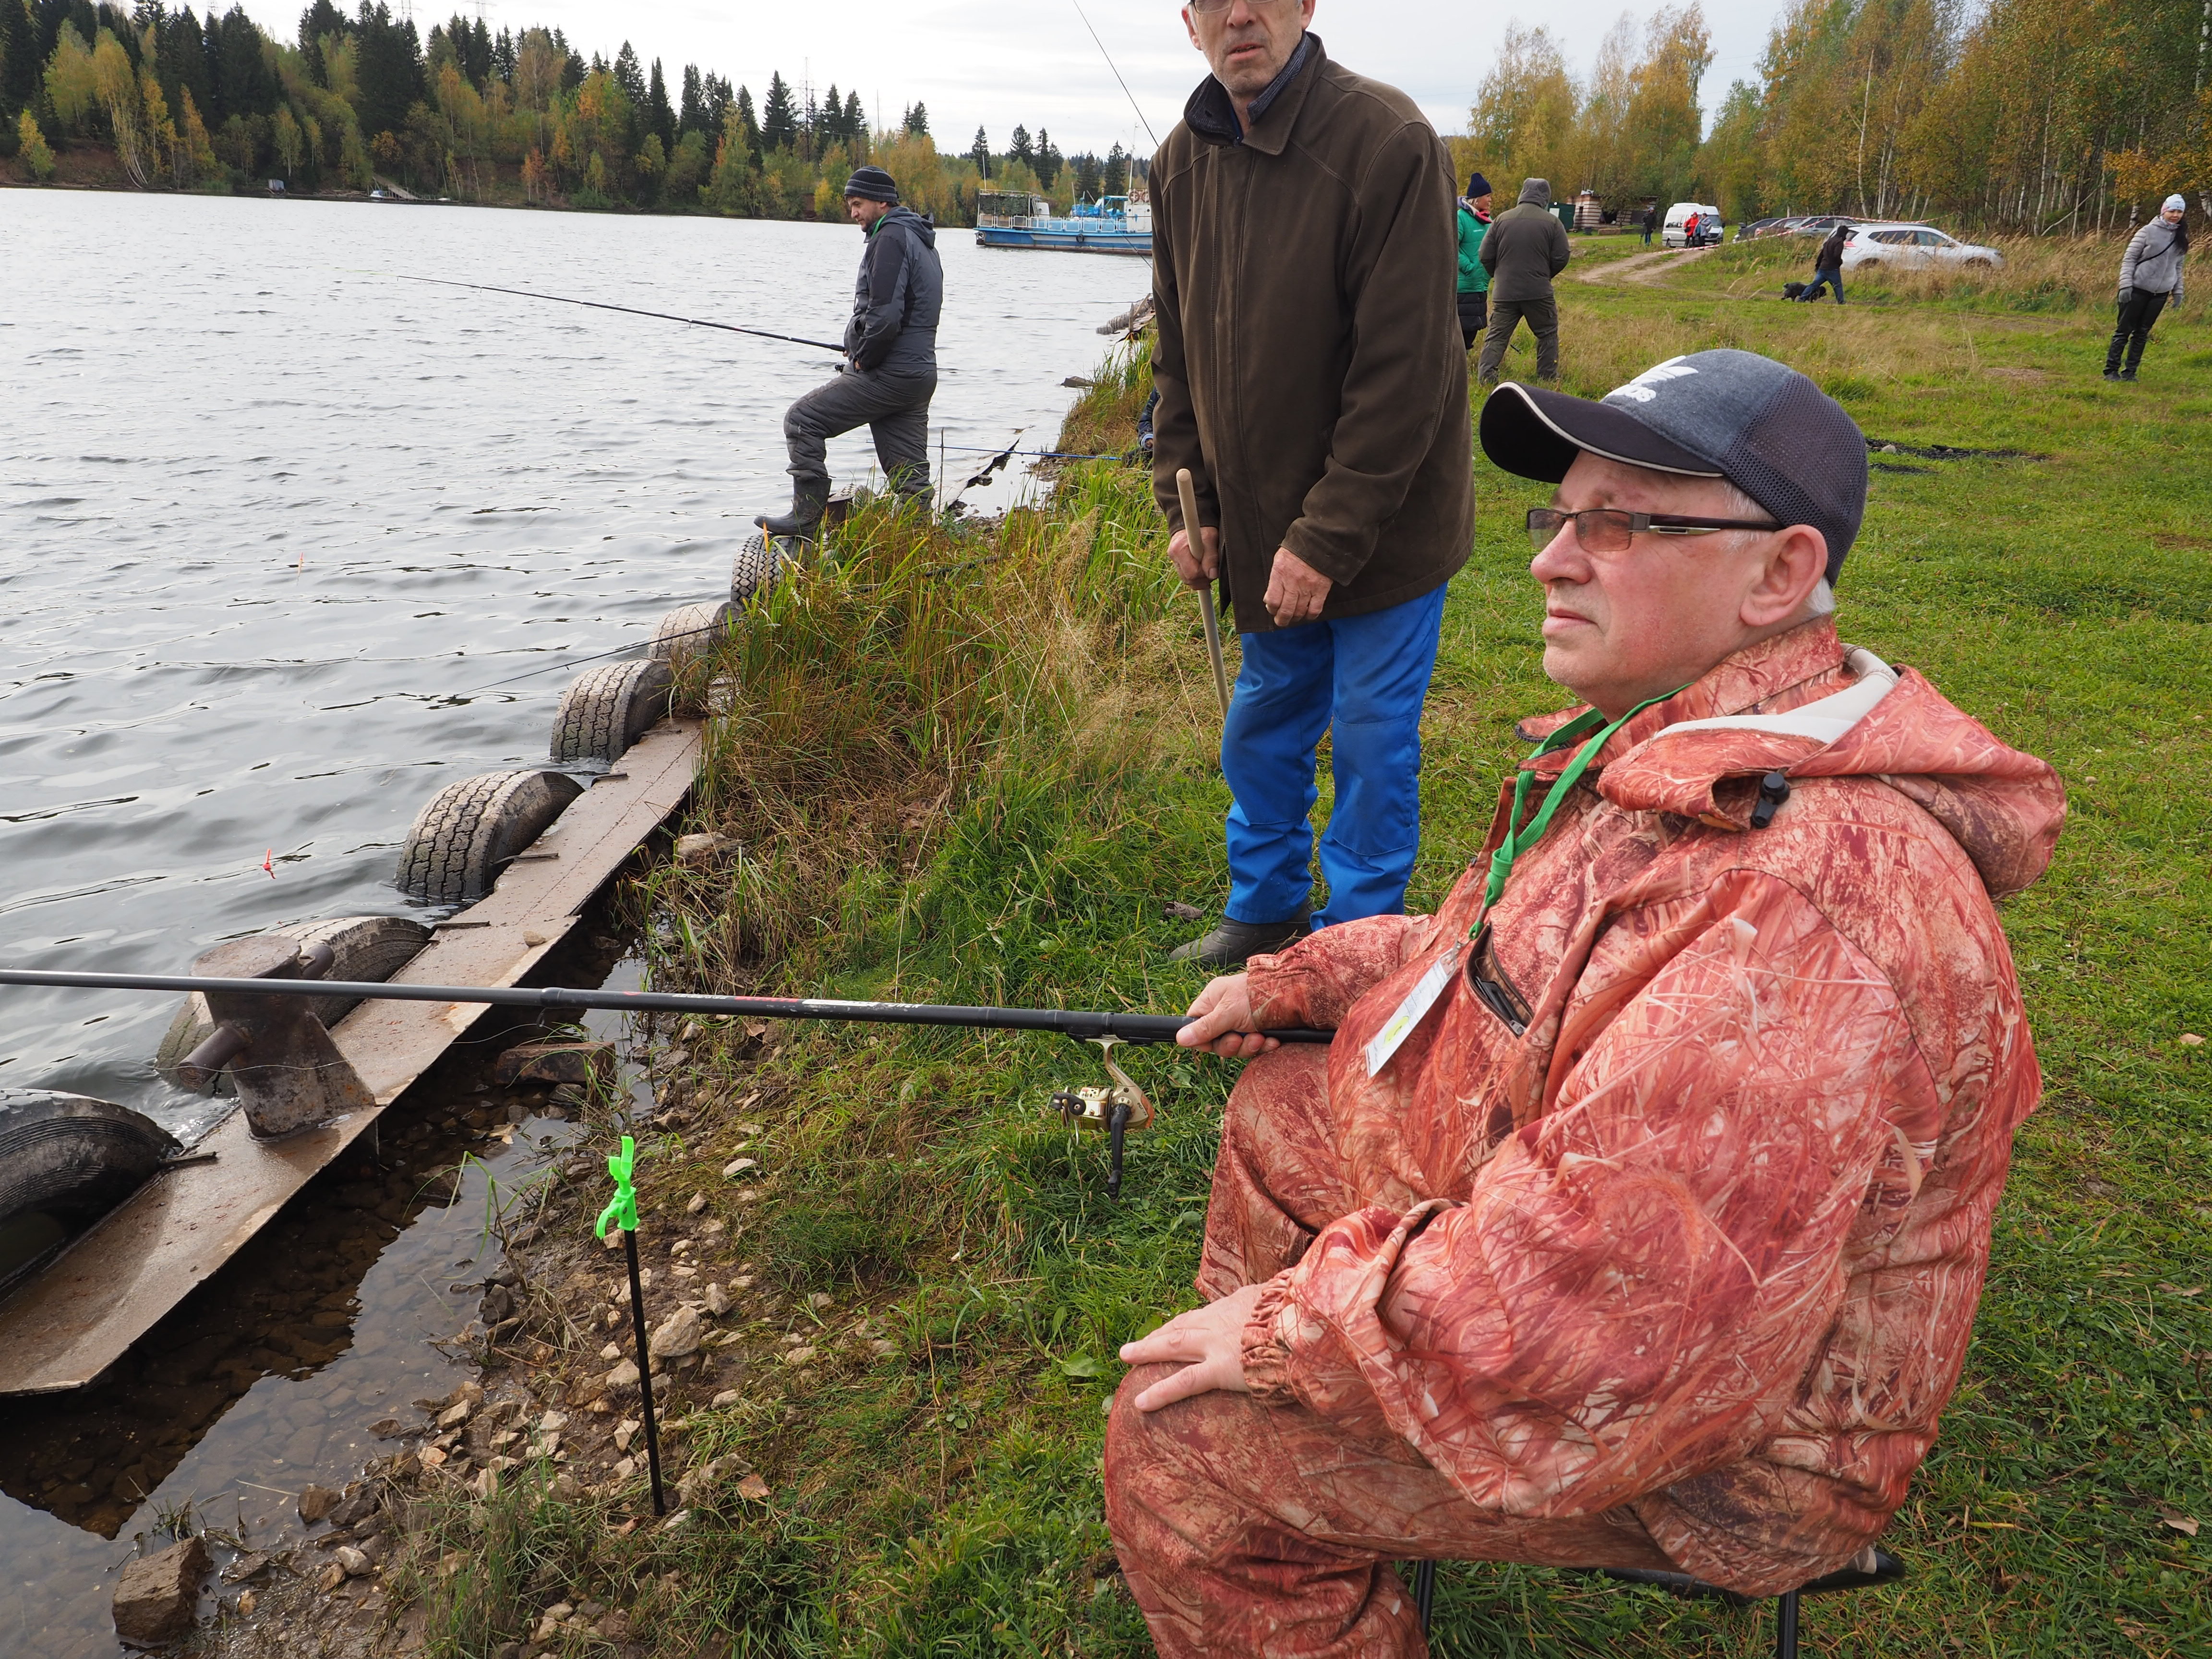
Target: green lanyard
point(1501, 861)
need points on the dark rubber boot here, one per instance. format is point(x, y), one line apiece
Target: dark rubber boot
point(808, 501)
point(1233, 943)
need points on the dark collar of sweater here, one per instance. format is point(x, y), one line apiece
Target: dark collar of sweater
point(1212, 114)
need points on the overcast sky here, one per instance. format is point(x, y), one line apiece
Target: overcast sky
point(997, 64)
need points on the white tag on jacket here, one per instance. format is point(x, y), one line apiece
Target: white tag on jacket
point(1413, 1011)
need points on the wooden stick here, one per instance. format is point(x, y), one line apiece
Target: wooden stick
point(1188, 491)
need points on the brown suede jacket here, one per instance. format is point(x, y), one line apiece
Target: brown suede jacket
point(1309, 360)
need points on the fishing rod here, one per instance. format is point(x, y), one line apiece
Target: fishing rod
point(1087, 1026)
point(631, 310)
point(1116, 1108)
point(1110, 65)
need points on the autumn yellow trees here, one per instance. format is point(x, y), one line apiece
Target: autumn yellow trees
point(1630, 133)
point(2035, 116)
point(31, 145)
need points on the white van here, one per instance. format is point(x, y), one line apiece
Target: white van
point(1710, 228)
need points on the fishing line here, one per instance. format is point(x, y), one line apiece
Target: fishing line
point(1109, 57)
point(602, 305)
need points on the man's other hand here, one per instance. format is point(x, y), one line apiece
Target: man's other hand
point(1208, 1343)
point(1296, 591)
point(1194, 574)
point(1221, 1021)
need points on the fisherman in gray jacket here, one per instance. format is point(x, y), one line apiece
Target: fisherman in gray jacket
point(1522, 251)
point(890, 350)
point(2150, 273)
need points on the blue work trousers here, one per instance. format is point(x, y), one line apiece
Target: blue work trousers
point(1366, 677)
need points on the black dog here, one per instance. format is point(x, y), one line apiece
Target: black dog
point(1793, 290)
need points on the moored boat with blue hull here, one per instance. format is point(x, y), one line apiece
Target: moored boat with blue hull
point(1114, 224)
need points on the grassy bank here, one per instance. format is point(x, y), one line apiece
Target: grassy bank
point(975, 768)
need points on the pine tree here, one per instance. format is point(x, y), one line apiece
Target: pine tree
point(1047, 159)
point(830, 122)
point(980, 153)
point(780, 118)
point(856, 125)
point(1087, 172)
point(692, 115)
point(917, 121)
point(1019, 152)
point(318, 21)
point(657, 118)
point(629, 77)
point(748, 128)
point(388, 73)
point(1116, 181)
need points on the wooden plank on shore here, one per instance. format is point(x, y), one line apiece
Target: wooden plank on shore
point(74, 1319)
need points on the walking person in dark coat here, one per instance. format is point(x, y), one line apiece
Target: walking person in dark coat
point(1524, 251)
point(1302, 237)
point(2150, 274)
point(1828, 267)
point(891, 349)
point(1651, 221)
point(1474, 278)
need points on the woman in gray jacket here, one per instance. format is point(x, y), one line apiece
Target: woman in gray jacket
point(2150, 272)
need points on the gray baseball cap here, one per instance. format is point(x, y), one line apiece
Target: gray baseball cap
point(1733, 415)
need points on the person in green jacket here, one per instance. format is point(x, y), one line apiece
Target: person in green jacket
point(1473, 278)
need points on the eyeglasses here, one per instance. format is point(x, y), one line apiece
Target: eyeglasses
point(1608, 529)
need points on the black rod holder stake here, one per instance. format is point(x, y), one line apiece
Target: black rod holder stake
point(644, 1370)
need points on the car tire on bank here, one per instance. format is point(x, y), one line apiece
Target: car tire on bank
point(470, 831)
point(756, 566)
point(610, 708)
point(362, 948)
point(686, 638)
point(65, 1161)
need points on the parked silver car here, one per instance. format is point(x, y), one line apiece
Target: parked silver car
point(1872, 246)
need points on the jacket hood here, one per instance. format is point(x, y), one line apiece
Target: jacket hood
point(913, 223)
point(1804, 705)
point(1537, 192)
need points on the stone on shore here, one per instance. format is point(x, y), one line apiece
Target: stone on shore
point(155, 1598)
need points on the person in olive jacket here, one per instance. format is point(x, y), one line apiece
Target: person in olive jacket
point(1525, 249)
point(1312, 380)
point(1474, 279)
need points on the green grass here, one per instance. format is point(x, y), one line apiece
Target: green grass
point(984, 787)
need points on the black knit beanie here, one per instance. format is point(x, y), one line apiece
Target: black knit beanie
point(1477, 187)
point(872, 184)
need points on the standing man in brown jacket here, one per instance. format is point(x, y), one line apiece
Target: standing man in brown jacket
point(1312, 378)
point(1524, 251)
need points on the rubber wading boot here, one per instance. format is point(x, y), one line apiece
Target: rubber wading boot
point(808, 501)
point(1233, 943)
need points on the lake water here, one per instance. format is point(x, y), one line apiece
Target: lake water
point(274, 525)
point(283, 541)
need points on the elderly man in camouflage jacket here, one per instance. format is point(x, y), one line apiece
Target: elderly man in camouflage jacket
point(1638, 1214)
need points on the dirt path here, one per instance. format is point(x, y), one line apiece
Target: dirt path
point(1643, 267)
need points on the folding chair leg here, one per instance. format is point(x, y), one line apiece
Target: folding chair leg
point(1785, 1628)
point(1424, 1592)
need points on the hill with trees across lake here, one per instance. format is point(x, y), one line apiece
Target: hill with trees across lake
point(157, 99)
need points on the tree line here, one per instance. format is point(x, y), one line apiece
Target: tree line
point(2035, 116)
point(184, 103)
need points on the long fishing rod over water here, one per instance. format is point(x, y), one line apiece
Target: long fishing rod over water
point(632, 310)
point(1084, 1025)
